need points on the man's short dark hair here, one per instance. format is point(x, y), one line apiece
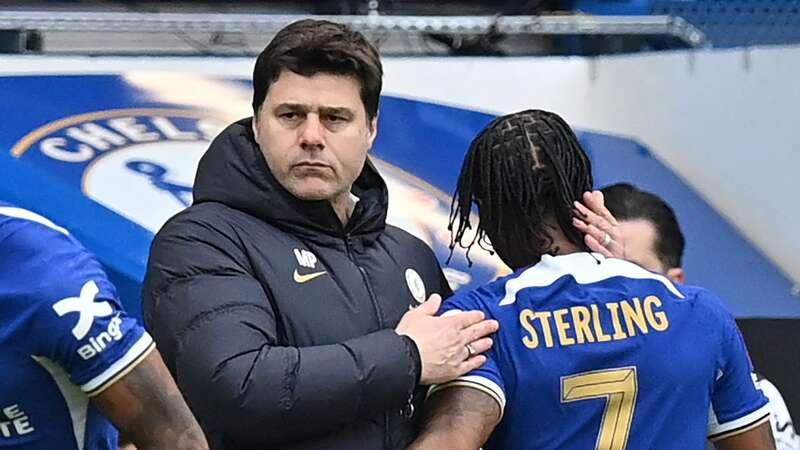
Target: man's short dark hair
point(626, 202)
point(308, 47)
point(522, 168)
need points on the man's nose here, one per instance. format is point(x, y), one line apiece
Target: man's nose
point(312, 133)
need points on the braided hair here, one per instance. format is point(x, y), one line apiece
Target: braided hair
point(521, 169)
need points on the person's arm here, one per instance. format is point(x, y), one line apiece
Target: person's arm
point(739, 416)
point(72, 324)
point(758, 438)
point(461, 413)
point(149, 410)
point(780, 418)
point(457, 418)
point(220, 337)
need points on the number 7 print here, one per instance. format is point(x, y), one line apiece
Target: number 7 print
point(619, 388)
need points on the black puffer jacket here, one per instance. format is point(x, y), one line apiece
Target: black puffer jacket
point(276, 321)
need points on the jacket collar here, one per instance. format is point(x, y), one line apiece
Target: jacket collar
point(233, 172)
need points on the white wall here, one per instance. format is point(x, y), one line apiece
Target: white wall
point(726, 121)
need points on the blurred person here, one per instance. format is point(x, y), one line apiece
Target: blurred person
point(592, 352)
point(653, 239)
point(74, 363)
point(650, 229)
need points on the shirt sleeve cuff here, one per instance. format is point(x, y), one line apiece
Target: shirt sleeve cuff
point(717, 431)
point(477, 382)
point(121, 367)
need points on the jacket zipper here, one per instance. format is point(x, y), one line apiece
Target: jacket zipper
point(364, 276)
point(381, 325)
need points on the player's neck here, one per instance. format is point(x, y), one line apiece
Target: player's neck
point(561, 245)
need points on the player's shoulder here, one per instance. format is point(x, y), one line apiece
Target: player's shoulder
point(708, 312)
point(22, 227)
point(32, 244)
point(704, 301)
point(691, 292)
point(582, 270)
point(41, 260)
point(535, 281)
point(575, 273)
point(486, 297)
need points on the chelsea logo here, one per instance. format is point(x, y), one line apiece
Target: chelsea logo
point(139, 163)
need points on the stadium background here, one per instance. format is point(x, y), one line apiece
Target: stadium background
point(107, 107)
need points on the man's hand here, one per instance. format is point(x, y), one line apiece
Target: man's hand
point(602, 235)
point(449, 346)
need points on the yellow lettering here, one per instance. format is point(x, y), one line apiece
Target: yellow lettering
point(548, 334)
point(562, 327)
point(658, 320)
point(634, 314)
point(619, 388)
point(628, 317)
point(598, 327)
point(580, 317)
point(618, 333)
point(525, 317)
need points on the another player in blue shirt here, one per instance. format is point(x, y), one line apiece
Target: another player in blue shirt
point(654, 240)
point(73, 362)
point(592, 352)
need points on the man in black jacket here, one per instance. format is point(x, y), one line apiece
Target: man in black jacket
point(281, 299)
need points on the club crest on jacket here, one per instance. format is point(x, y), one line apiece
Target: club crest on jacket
point(415, 285)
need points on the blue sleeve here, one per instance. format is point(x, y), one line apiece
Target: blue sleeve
point(736, 403)
point(63, 308)
point(488, 377)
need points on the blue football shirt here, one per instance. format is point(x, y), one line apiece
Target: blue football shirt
point(596, 353)
point(63, 338)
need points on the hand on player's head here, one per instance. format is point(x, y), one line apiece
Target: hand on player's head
point(600, 228)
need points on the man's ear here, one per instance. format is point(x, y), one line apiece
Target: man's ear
point(677, 275)
point(373, 130)
point(254, 126)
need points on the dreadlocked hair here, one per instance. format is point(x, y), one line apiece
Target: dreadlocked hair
point(522, 168)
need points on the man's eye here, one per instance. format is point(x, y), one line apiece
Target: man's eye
point(289, 115)
point(335, 119)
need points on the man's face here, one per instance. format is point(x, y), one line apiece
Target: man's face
point(314, 134)
point(640, 248)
